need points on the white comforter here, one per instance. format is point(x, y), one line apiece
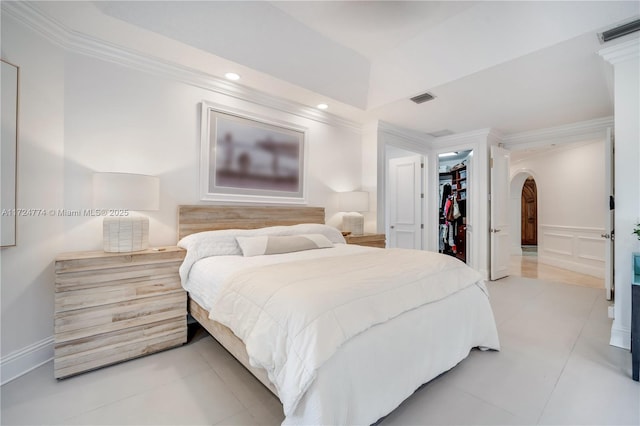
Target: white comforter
point(294, 316)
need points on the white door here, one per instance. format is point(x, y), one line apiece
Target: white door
point(499, 228)
point(609, 231)
point(404, 195)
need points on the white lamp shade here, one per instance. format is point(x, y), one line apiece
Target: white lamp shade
point(126, 191)
point(354, 201)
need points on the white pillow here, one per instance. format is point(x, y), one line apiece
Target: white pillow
point(223, 242)
point(277, 244)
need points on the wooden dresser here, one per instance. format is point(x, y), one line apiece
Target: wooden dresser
point(371, 240)
point(111, 307)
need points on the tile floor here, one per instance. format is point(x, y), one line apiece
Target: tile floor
point(555, 367)
point(528, 266)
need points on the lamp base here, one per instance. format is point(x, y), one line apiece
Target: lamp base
point(125, 234)
point(353, 222)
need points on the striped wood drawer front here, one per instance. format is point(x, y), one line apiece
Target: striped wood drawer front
point(98, 260)
point(116, 291)
point(118, 316)
point(97, 278)
point(110, 307)
point(92, 352)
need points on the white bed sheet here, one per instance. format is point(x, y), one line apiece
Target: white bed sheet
point(364, 380)
point(203, 285)
point(294, 316)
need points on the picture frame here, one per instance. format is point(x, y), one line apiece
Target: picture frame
point(10, 76)
point(252, 159)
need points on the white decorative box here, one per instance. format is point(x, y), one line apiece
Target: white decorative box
point(125, 234)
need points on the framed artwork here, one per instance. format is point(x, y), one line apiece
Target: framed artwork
point(246, 158)
point(8, 153)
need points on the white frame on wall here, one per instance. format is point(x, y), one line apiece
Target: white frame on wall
point(8, 152)
point(214, 119)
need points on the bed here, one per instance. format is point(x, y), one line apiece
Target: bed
point(342, 334)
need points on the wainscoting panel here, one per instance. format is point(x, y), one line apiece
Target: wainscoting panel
point(574, 248)
point(591, 248)
point(558, 243)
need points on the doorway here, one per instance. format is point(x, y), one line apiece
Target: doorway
point(453, 203)
point(405, 203)
point(529, 216)
point(404, 188)
point(529, 241)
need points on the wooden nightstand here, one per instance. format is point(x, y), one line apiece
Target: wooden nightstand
point(371, 240)
point(111, 307)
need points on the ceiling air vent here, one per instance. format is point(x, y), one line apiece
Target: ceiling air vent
point(423, 98)
point(622, 30)
point(440, 133)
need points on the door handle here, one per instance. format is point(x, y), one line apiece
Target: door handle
point(493, 230)
point(392, 227)
point(607, 236)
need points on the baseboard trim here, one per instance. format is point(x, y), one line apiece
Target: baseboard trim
point(485, 274)
point(594, 271)
point(516, 250)
point(29, 358)
point(620, 336)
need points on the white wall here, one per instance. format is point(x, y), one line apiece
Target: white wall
point(625, 58)
point(572, 205)
point(118, 119)
point(27, 269)
point(80, 114)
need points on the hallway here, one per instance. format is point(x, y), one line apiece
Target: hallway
point(527, 266)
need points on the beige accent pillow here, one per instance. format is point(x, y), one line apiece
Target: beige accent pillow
point(272, 244)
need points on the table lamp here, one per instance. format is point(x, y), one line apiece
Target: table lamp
point(116, 195)
point(352, 204)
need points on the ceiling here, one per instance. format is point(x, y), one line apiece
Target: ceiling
point(512, 66)
point(371, 27)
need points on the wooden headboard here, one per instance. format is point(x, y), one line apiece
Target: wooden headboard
point(200, 218)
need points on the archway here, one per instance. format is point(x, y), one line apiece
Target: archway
point(515, 208)
point(529, 214)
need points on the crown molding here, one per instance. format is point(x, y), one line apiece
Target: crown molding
point(546, 151)
point(399, 137)
point(31, 17)
point(408, 134)
point(575, 132)
point(472, 137)
point(622, 52)
point(87, 45)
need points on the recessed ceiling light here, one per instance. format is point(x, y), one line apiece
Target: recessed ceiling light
point(323, 106)
point(447, 154)
point(232, 76)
